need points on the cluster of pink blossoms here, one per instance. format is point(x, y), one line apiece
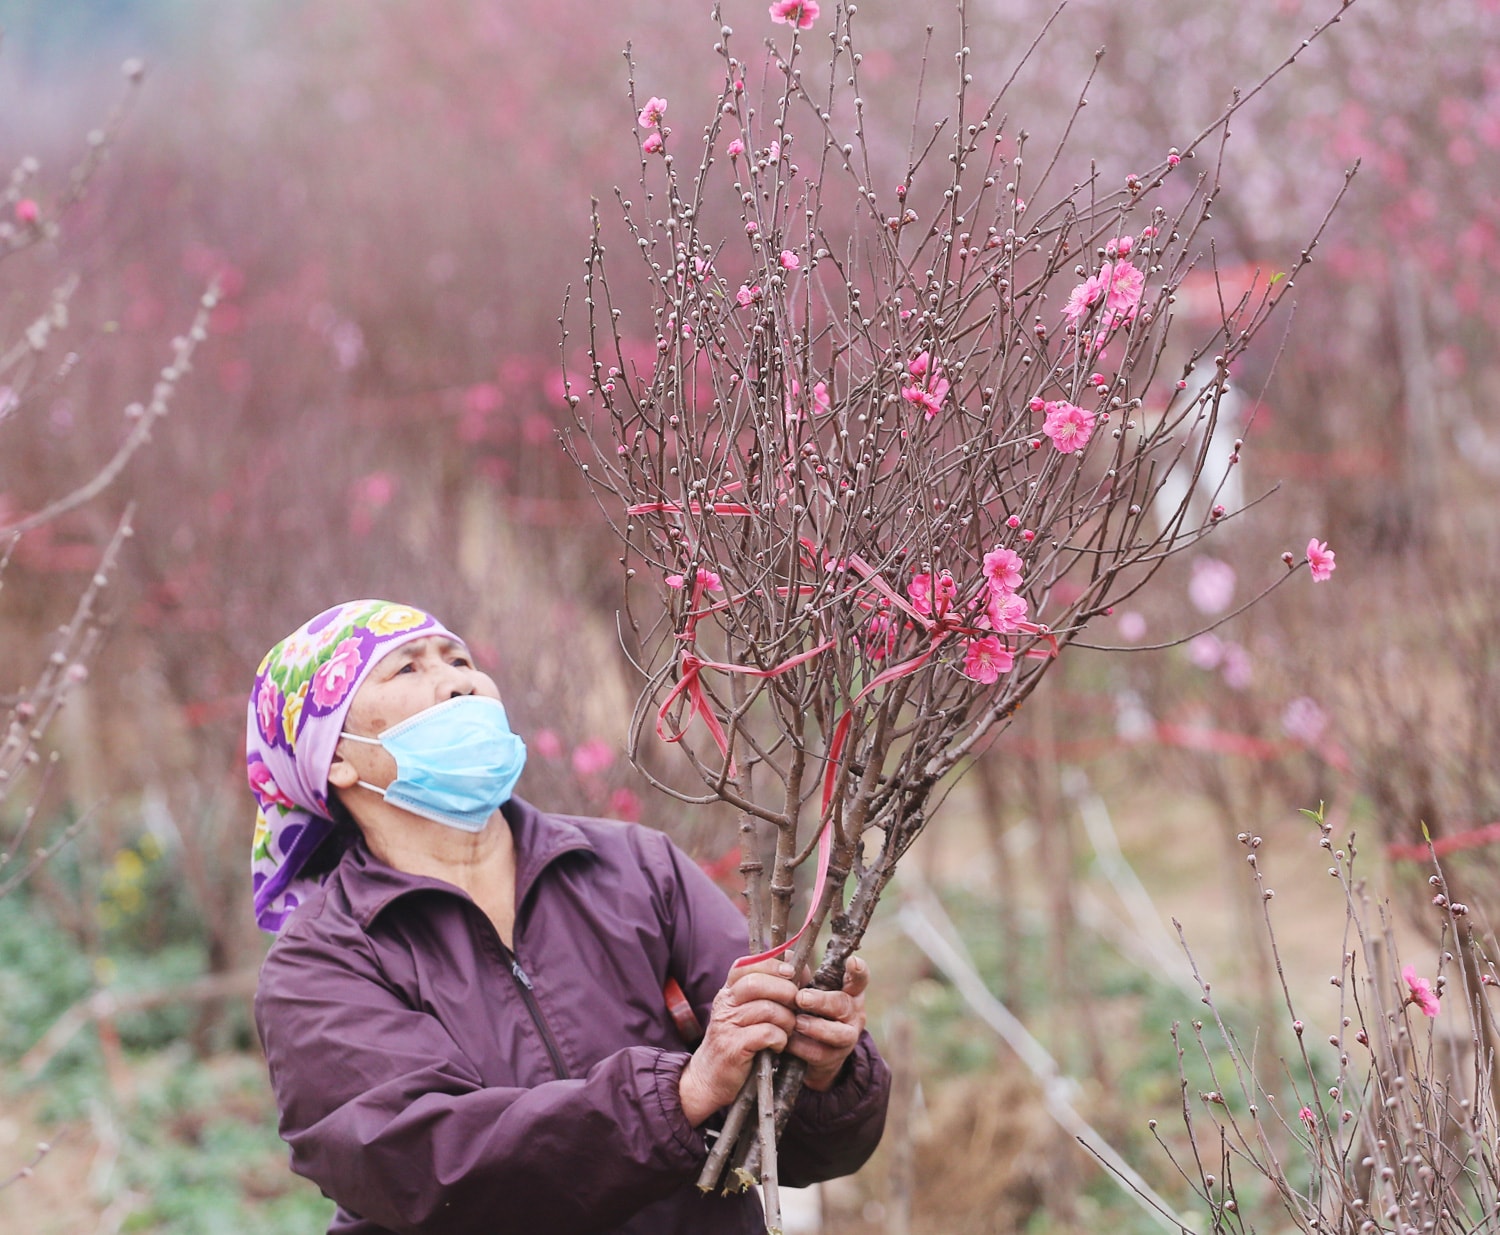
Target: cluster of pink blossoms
point(986, 657)
point(1004, 612)
point(822, 404)
point(1115, 291)
point(927, 394)
point(708, 579)
point(650, 118)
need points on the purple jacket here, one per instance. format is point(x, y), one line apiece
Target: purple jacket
point(431, 1080)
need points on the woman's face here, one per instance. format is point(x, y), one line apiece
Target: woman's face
point(411, 679)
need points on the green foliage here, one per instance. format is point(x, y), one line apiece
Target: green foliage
point(203, 1152)
point(42, 974)
point(198, 1146)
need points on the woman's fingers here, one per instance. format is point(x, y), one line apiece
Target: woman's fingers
point(754, 1011)
point(753, 984)
point(829, 1024)
point(838, 1035)
point(835, 1005)
point(856, 976)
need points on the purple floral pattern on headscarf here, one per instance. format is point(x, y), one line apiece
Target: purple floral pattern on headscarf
point(302, 692)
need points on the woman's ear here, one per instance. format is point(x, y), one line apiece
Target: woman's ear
point(342, 774)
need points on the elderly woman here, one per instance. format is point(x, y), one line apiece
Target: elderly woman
point(464, 1010)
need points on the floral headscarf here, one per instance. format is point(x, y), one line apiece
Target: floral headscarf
point(302, 691)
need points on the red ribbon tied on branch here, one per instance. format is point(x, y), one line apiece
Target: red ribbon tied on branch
point(940, 625)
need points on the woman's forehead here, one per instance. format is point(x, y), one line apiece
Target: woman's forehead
point(414, 649)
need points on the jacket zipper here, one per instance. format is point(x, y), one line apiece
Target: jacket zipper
point(528, 997)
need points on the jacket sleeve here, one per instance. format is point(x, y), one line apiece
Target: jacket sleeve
point(831, 1133)
point(384, 1113)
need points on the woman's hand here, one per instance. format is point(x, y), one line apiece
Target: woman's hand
point(752, 1013)
point(829, 1024)
point(761, 1008)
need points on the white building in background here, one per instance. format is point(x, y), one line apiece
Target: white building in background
point(1219, 483)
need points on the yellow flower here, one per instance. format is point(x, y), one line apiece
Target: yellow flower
point(392, 619)
point(128, 867)
point(260, 844)
point(292, 714)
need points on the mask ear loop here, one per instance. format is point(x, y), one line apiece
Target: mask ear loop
point(354, 737)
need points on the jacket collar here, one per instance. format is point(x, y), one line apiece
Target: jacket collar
point(540, 839)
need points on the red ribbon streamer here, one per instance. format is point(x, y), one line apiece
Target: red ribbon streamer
point(1443, 845)
point(938, 626)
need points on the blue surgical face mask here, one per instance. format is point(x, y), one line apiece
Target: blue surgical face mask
point(456, 762)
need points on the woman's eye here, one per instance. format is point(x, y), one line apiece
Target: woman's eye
point(408, 667)
point(462, 662)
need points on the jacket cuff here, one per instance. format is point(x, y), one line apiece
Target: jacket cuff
point(666, 1078)
point(864, 1079)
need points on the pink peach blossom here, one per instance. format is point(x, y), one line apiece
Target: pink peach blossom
point(919, 591)
point(927, 395)
point(789, 260)
point(735, 148)
point(880, 637)
point(1124, 284)
point(652, 114)
point(1303, 720)
point(1320, 559)
point(945, 590)
point(1006, 611)
point(1069, 426)
point(708, 578)
point(799, 13)
point(1238, 669)
point(1205, 651)
point(546, 743)
point(1211, 589)
point(625, 804)
point(1002, 567)
point(653, 144)
point(26, 211)
point(1421, 991)
point(930, 401)
point(822, 405)
point(1082, 298)
point(592, 757)
point(746, 294)
point(987, 659)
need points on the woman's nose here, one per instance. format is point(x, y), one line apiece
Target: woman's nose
point(455, 682)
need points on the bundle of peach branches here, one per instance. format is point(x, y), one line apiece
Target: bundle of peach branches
point(880, 445)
